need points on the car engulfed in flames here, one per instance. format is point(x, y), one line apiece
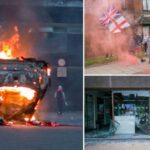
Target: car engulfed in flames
point(23, 83)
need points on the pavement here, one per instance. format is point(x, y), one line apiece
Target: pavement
point(137, 141)
point(117, 145)
point(120, 67)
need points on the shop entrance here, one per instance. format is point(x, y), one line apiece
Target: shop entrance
point(112, 112)
point(104, 111)
point(89, 112)
point(98, 110)
point(131, 111)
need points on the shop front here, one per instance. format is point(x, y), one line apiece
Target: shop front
point(131, 110)
point(113, 112)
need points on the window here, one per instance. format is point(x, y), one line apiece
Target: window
point(116, 111)
point(123, 3)
point(131, 110)
point(146, 5)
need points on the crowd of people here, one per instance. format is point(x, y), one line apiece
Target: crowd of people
point(138, 45)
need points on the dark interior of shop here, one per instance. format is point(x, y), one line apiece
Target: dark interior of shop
point(104, 106)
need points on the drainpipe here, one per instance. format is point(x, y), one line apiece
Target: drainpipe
point(110, 81)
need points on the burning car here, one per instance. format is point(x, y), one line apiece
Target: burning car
point(23, 83)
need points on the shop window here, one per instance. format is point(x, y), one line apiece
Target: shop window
point(98, 113)
point(146, 5)
point(115, 112)
point(131, 110)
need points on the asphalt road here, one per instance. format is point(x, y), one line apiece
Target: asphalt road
point(40, 138)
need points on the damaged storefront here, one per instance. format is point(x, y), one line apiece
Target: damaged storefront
point(114, 106)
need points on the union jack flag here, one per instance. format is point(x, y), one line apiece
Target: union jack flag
point(118, 24)
point(114, 21)
point(109, 15)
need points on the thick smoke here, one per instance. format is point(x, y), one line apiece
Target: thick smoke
point(21, 14)
point(99, 41)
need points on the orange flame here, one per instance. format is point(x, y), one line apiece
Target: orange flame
point(33, 118)
point(24, 91)
point(9, 45)
point(26, 119)
point(48, 71)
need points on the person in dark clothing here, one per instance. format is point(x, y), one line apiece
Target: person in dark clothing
point(148, 48)
point(60, 98)
point(138, 38)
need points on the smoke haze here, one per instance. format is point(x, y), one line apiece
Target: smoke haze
point(99, 40)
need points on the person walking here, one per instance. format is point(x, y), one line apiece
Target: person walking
point(60, 99)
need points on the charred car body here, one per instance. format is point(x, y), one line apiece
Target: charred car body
point(23, 83)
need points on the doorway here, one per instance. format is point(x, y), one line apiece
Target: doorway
point(131, 110)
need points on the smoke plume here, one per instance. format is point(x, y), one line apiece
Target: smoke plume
point(99, 41)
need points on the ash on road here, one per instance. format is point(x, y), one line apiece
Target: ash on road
point(40, 138)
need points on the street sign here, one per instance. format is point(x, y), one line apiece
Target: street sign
point(62, 72)
point(61, 62)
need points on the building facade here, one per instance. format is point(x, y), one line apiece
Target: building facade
point(51, 30)
point(140, 12)
point(122, 101)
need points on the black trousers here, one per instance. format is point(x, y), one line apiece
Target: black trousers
point(60, 105)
